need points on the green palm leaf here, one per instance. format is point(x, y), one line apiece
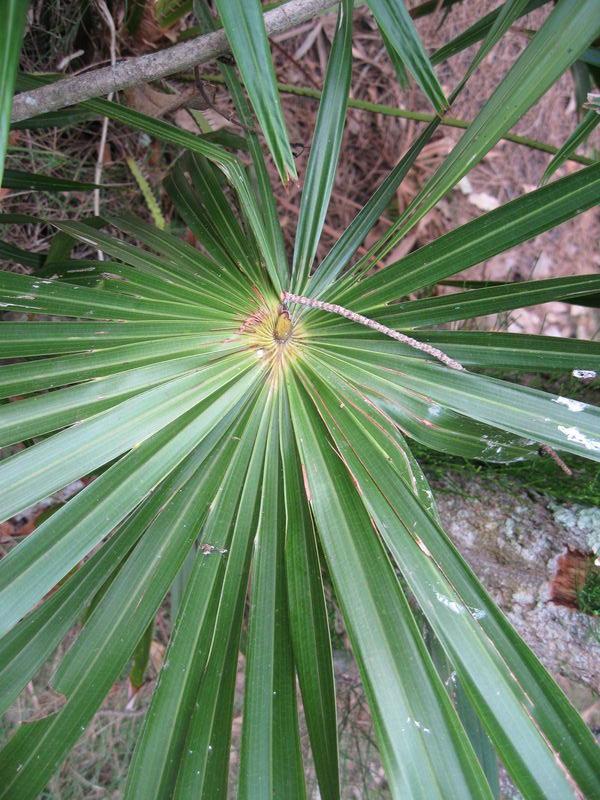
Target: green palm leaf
point(245, 28)
point(477, 302)
point(478, 348)
point(230, 165)
point(270, 762)
point(105, 646)
point(17, 179)
point(92, 514)
point(579, 135)
point(532, 74)
point(536, 416)
point(478, 31)
point(472, 243)
point(308, 616)
point(325, 148)
point(239, 450)
point(32, 641)
point(391, 505)
point(394, 19)
point(397, 660)
point(162, 746)
point(209, 730)
point(339, 255)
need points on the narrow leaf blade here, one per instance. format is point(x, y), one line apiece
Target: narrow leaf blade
point(394, 19)
point(325, 148)
point(245, 28)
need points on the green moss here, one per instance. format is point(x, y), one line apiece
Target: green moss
point(588, 597)
point(539, 475)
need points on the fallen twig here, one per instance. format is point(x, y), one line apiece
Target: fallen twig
point(143, 69)
point(288, 297)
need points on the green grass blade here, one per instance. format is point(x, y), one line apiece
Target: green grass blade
point(201, 203)
point(121, 279)
point(14, 14)
point(592, 300)
point(579, 135)
point(325, 148)
point(486, 753)
point(151, 202)
point(517, 351)
point(393, 18)
point(61, 247)
point(510, 11)
point(193, 280)
point(262, 182)
point(245, 28)
point(562, 727)
point(392, 443)
point(446, 431)
point(17, 179)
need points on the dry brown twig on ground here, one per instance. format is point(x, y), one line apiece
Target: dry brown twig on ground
point(143, 69)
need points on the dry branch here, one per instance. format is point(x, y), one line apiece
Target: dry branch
point(288, 297)
point(143, 69)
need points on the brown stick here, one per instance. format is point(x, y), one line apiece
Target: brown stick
point(370, 323)
point(288, 297)
point(550, 451)
point(149, 67)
